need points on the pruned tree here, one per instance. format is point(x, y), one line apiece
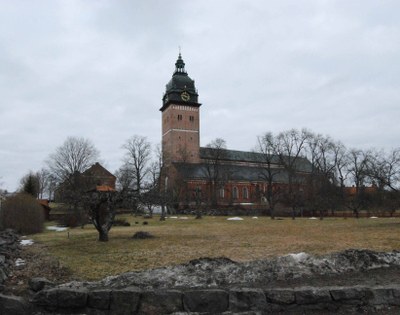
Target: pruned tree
point(102, 210)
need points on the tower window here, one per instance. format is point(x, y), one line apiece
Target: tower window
point(179, 117)
point(191, 118)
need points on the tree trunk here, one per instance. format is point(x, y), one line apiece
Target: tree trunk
point(103, 235)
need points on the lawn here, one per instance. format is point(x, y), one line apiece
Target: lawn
point(180, 240)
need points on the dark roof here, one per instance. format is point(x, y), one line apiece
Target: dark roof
point(179, 83)
point(229, 172)
point(302, 164)
point(98, 170)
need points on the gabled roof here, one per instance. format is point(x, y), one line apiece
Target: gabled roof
point(302, 164)
point(97, 169)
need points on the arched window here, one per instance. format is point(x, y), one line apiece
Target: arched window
point(235, 193)
point(222, 193)
point(245, 193)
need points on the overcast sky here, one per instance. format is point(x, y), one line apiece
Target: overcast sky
point(98, 69)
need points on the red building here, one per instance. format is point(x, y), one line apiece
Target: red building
point(196, 174)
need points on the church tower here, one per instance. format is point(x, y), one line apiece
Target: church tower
point(180, 118)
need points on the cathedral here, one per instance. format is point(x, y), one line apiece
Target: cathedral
point(209, 175)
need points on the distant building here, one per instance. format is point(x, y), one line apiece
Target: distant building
point(95, 177)
point(193, 172)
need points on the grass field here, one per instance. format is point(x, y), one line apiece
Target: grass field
point(180, 240)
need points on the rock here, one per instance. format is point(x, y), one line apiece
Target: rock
point(348, 295)
point(46, 298)
point(208, 301)
point(125, 301)
point(13, 305)
point(39, 283)
point(388, 295)
point(312, 295)
point(161, 302)
point(71, 298)
point(280, 296)
point(247, 299)
point(99, 299)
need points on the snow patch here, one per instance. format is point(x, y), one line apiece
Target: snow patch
point(172, 217)
point(313, 218)
point(235, 219)
point(373, 217)
point(298, 257)
point(56, 228)
point(254, 217)
point(20, 262)
point(26, 242)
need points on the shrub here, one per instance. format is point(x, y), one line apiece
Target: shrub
point(22, 213)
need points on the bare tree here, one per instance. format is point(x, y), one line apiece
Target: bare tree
point(138, 151)
point(267, 146)
point(321, 181)
point(43, 178)
point(74, 155)
point(214, 172)
point(290, 148)
point(358, 170)
point(66, 164)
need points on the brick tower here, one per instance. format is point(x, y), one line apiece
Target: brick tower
point(180, 118)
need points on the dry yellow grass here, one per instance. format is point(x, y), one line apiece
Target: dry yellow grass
point(179, 241)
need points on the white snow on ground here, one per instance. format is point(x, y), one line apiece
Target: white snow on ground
point(299, 256)
point(313, 218)
point(235, 219)
point(254, 217)
point(373, 217)
point(26, 242)
point(19, 262)
point(56, 228)
point(172, 217)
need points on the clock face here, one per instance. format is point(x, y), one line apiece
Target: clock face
point(185, 96)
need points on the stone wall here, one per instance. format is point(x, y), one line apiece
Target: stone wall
point(132, 300)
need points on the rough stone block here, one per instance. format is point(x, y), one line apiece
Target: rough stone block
point(13, 305)
point(387, 295)
point(247, 300)
point(71, 298)
point(212, 301)
point(280, 296)
point(161, 302)
point(47, 298)
point(39, 283)
point(348, 295)
point(125, 301)
point(312, 295)
point(99, 299)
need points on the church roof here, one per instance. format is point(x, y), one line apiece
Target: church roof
point(302, 164)
point(228, 172)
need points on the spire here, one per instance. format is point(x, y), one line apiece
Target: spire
point(180, 65)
